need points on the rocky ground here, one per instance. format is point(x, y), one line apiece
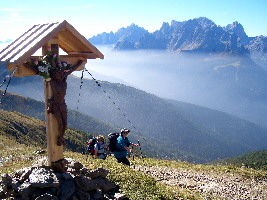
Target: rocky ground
point(211, 185)
point(40, 182)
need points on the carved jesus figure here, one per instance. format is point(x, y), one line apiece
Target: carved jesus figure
point(57, 105)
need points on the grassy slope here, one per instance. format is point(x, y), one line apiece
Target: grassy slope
point(17, 151)
point(33, 108)
point(32, 132)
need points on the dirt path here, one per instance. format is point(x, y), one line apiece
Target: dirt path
point(211, 185)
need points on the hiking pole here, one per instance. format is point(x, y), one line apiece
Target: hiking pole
point(139, 144)
point(133, 152)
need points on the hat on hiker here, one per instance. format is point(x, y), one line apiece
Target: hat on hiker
point(124, 130)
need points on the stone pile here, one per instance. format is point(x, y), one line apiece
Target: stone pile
point(40, 182)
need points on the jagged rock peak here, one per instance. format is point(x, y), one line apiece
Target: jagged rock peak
point(203, 21)
point(258, 44)
point(132, 27)
point(235, 27)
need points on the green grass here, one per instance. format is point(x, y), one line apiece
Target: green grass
point(15, 156)
point(135, 184)
point(20, 136)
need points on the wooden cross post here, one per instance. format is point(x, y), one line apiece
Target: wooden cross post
point(55, 152)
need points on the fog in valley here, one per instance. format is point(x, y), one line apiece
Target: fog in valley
point(159, 72)
point(226, 83)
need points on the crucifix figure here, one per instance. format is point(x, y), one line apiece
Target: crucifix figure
point(57, 104)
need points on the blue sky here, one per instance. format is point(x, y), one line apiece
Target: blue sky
point(91, 17)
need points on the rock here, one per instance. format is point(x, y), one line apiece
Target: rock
point(70, 163)
point(98, 195)
point(105, 184)
point(85, 183)
point(2, 190)
point(42, 162)
point(41, 177)
point(66, 176)
point(98, 173)
point(22, 174)
point(74, 197)
point(83, 195)
point(25, 190)
point(7, 180)
point(47, 196)
point(38, 152)
point(67, 189)
point(119, 196)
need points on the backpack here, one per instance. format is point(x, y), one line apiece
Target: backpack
point(112, 138)
point(90, 148)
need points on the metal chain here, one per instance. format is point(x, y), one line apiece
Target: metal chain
point(10, 76)
point(98, 84)
point(80, 88)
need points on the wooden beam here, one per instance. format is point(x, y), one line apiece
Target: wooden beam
point(88, 55)
point(73, 60)
point(21, 71)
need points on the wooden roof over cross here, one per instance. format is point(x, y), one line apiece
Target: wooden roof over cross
point(66, 36)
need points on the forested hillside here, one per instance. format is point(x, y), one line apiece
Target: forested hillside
point(256, 160)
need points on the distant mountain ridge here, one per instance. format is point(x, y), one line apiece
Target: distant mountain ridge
point(132, 34)
point(195, 35)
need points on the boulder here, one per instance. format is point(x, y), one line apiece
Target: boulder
point(42, 177)
point(98, 173)
point(85, 183)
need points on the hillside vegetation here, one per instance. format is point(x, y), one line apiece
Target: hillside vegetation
point(179, 132)
point(30, 131)
point(255, 160)
point(146, 179)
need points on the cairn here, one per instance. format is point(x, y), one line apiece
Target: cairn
point(40, 182)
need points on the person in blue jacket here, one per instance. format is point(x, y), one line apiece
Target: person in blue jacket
point(123, 147)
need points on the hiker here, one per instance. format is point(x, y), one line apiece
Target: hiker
point(122, 147)
point(100, 148)
point(90, 146)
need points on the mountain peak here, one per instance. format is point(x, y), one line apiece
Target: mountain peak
point(133, 25)
point(234, 27)
point(203, 20)
point(237, 29)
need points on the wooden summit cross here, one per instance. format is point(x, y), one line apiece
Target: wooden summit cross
point(54, 68)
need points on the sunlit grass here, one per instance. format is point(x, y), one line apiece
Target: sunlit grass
point(14, 156)
point(134, 183)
